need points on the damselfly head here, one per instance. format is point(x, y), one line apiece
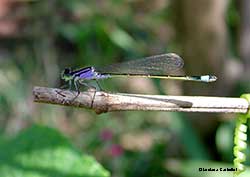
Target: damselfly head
point(66, 74)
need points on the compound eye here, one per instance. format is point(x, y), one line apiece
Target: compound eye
point(67, 70)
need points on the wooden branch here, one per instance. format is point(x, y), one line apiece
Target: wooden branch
point(102, 102)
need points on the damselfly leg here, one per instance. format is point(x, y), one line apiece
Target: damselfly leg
point(91, 87)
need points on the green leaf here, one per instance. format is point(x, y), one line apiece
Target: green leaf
point(122, 39)
point(43, 152)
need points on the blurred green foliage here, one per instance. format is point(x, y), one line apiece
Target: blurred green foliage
point(42, 151)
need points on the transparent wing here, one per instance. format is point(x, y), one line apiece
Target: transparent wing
point(164, 64)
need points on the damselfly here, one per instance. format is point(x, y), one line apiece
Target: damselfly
point(158, 66)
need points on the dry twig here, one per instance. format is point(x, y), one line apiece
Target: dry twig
point(106, 102)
